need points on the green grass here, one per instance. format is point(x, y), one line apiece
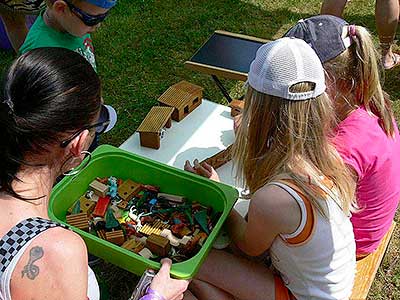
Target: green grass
point(140, 51)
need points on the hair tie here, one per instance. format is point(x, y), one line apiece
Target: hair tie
point(10, 104)
point(352, 30)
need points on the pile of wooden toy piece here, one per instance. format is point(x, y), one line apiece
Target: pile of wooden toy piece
point(140, 219)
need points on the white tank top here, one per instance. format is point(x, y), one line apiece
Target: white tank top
point(317, 261)
point(13, 246)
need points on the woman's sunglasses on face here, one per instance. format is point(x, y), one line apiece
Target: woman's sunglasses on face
point(87, 19)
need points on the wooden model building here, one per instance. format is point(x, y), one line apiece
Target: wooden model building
point(220, 158)
point(150, 129)
point(184, 97)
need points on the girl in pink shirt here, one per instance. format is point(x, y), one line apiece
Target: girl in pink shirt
point(367, 135)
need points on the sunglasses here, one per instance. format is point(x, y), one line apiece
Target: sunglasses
point(100, 128)
point(87, 19)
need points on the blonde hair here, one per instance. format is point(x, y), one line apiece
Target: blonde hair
point(356, 76)
point(279, 139)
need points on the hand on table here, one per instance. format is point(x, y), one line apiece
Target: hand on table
point(202, 169)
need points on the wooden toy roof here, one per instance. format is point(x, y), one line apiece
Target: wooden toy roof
point(155, 119)
point(180, 94)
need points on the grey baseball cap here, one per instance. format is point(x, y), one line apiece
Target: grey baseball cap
point(326, 34)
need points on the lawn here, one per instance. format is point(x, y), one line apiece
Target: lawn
point(141, 49)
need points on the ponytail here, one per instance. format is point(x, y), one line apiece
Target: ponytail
point(359, 64)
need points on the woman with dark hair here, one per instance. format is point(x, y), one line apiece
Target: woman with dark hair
point(49, 112)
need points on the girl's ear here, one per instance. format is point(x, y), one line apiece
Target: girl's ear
point(78, 144)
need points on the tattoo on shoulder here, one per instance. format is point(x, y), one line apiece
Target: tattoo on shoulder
point(30, 269)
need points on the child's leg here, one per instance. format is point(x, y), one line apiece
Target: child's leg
point(238, 276)
point(333, 7)
point(203, 290)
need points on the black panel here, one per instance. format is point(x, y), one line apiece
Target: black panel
point(227, 52)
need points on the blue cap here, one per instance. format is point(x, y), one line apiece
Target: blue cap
point(324, 33)
point(103, 3)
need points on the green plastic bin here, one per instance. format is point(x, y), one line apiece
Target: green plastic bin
point(110, 161)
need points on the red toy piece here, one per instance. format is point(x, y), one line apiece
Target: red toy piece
point(101, 206)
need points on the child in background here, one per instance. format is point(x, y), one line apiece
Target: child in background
point(367, 136)
point(68, 24)
point(301, 191)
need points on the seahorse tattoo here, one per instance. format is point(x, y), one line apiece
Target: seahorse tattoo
point(30, 269)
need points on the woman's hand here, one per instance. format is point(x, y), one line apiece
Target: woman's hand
point(202, 169)
point(163, 284)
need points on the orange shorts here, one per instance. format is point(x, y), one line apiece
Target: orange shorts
point(281, 291)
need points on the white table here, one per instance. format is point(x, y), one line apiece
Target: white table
point(203, 133)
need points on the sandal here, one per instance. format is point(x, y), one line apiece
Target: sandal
point(396, 62)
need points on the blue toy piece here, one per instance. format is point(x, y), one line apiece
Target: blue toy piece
point(153, 201)
point(112, 183)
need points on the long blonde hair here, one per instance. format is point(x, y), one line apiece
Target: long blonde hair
point(356, 77)
point(281, 138)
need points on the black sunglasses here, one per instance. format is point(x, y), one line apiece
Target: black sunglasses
point(100, 128)
point(87, 19)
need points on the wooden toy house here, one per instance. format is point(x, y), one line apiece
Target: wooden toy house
point(184, 97)
point(150, 129)
point(237, 107)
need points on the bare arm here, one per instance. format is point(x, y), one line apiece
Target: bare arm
point(272, 212)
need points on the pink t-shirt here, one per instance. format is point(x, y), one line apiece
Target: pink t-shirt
point(375, 157)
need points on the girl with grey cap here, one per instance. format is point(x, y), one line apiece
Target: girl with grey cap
point(301, 192)
point(367, 136)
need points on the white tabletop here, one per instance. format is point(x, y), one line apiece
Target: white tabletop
point(203, 133)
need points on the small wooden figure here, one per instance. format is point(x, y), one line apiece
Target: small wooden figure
point(115, 237)
point(172, 198)
point(220, 158)
point(150, 129)
point(99, 188)
point(184, 97)
point(237, 107)
point(158, 245)
point(129, 189)
point(80, 221)
point(101, 206)
point(155, 228)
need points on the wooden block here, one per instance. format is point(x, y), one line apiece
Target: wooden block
point(99, 188)
point(155, 228)
point(87, 205)
point(129, 189)
point(158, 245)
point(237, 107)
point(367, 268)
point(132, 245)
point(174, 241)
point(220, 158)
point(101, 206)
point(101, 234)
point(123, 204)
point(172, 198)
point(146, 253)
point(115, 237)
point(80, 221)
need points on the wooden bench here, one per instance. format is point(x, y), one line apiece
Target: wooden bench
point(367, 268)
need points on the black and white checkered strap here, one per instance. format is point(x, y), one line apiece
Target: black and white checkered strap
point(19, 235)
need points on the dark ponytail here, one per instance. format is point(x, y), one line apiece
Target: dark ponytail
point(46, 93)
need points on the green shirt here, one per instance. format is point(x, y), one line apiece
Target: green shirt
point(41, 35)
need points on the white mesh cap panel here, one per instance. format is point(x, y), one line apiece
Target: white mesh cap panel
point(282, 63)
